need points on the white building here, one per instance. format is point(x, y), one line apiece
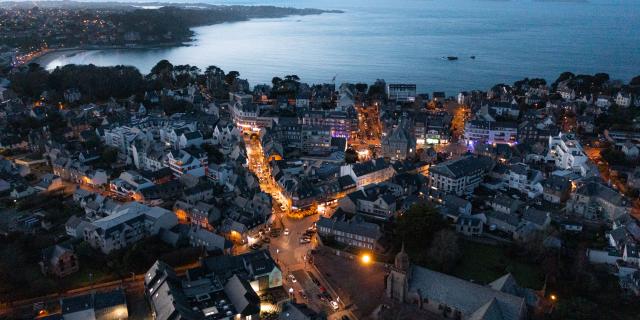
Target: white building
point(623, 99)
point(401, 92)
point(480, 131)
point(182, 162)
point(526, 180)
point(130, 223)
point(365, 173)
point(567, 153)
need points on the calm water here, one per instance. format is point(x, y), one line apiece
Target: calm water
point(405, 40)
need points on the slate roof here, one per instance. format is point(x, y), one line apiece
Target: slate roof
point(364, 168)
point(471, 299)
point(462, 167)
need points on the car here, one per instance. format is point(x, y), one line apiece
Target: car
point(286, 231)
point(303, 295)
point(322, 297)
point(334, 305)
point(304, 241)
point(292, 278)
point(254, 246)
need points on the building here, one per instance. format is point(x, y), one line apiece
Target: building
point(373, 201)
point(257, 268)
point(355, 232)
point(556, 189)
point(459, 176)
point(525, 180)
point(128, 224)
point(184, 162)
point(401, 92)
point(482, 131)
point(59, 260)
point(109, 305)
point(452, 297)
point(469, 226)
point(596, 201)
point(399, 144)
point(199, 295)
point(567, 153)
point(365, 173)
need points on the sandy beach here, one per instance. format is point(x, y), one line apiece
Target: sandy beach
point(54, 54)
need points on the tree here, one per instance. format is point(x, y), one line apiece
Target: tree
point(417, 226)
point(576, 308)
point(635, 81)
point(350, 156)
point(30, 81)
point(444, 250)
point(564, 76)
point(231, 77)
point(162, 67)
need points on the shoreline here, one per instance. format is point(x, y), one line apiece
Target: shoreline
point(53, 54)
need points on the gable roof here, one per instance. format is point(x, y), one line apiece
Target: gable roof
point(470, 298)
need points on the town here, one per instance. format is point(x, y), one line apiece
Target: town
point(189, 194)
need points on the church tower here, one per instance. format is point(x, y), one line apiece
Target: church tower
point(398, 279)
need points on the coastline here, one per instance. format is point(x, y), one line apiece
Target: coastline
point(53, 54)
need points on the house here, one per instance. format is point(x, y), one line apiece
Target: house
point(128, 224)
point(189, 139)
point(469, 226)
point(183, 162)
point(504, 204)
point(22, 191)
point(99, 305)
point(449, 296)
point(525, 180)
point(257, 267)
point(198, 295)
point(454, 207)
point(368, 172)
point(459, 176)
point(49, 182)
point(630, 150)
point(596, 201)
point(355, 232)
point(374, 201)
point(399, 144)
point(59, 260)
point(556, 189)
point(623, 99)
point(507, 223)
point(199, 237)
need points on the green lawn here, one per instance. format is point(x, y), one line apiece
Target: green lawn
point(484, 263)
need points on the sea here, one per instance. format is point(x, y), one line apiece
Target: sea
point(407, 41)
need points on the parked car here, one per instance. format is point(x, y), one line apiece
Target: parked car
point(334, 305)
point(292, 278)
point(286, 231)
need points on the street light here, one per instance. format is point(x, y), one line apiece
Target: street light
point(365, 258)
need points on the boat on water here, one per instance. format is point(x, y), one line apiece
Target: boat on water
point(452, 58)
point(473, 57)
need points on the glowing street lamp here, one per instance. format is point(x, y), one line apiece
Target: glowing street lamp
point(365, 258)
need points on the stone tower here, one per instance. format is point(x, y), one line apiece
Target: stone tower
point(398, 279)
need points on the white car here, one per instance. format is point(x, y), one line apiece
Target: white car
point(292, 278)
point(286, 231)
point(334, 305)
